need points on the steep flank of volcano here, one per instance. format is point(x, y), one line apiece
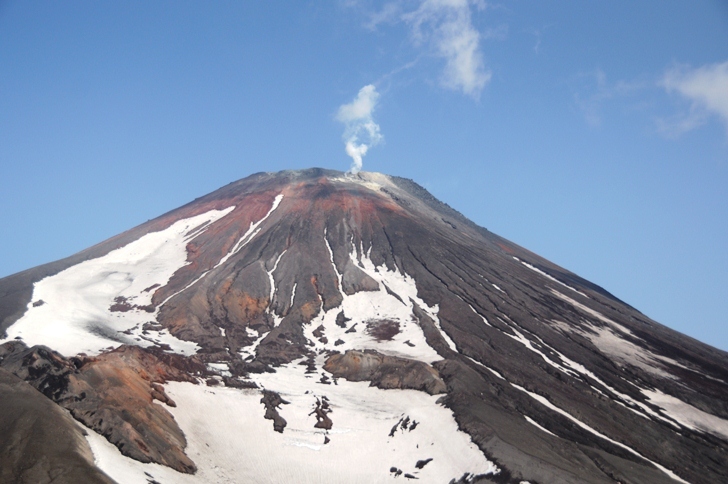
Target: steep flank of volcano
point(301, 288)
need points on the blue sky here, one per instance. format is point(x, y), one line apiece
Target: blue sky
point(594, 134)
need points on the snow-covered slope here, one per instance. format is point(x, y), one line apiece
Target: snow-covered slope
point(235, 444)
point(74, 311)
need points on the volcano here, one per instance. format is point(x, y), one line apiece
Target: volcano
point(317, 326)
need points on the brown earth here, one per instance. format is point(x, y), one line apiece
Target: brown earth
point(385, 371)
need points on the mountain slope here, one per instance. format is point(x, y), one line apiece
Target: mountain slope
point(332, 312)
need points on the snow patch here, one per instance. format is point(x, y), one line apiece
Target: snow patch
point(270, 277)
point(625, 351)
point(611, 341)
point(688, 415)
point(339, 277)
point(372, 180)
point(481, 316)
point(486, 367)
point(591, 312)
point(293, 293)
point(248, 352)
point(371, 309)
point(221, 368)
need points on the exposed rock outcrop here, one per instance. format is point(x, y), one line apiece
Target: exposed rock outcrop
point(113, 394)
point(271, 401)
point(385, 371)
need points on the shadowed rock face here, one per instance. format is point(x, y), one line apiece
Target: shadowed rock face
point(112, 394)
point(516, 335)
point(40, 443)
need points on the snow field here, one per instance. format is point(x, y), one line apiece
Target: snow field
point(75, 317)
point(229, 440)
point(611, 341)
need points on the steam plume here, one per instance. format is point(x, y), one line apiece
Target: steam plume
point(361, 132)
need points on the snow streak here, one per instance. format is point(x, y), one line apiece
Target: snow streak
point(581, 424)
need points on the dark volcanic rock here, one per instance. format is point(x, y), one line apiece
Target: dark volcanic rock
point(271, 401)
point(341, 319)
point(382, 330)
point(322, 411)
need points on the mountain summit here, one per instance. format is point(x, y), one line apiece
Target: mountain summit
point(316, 326)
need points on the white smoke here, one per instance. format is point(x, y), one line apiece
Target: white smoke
point(361, 132)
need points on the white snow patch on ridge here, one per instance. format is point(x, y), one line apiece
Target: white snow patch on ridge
point(372, 180)
point(339, 277)
point(271, 279)
point(533, 422)
point(591, 312)
point(688, 415)
point(486, 367)
point(75, 318)
point(233, 443)
point(612, 342)
point(548, 276)
point(614, 345)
